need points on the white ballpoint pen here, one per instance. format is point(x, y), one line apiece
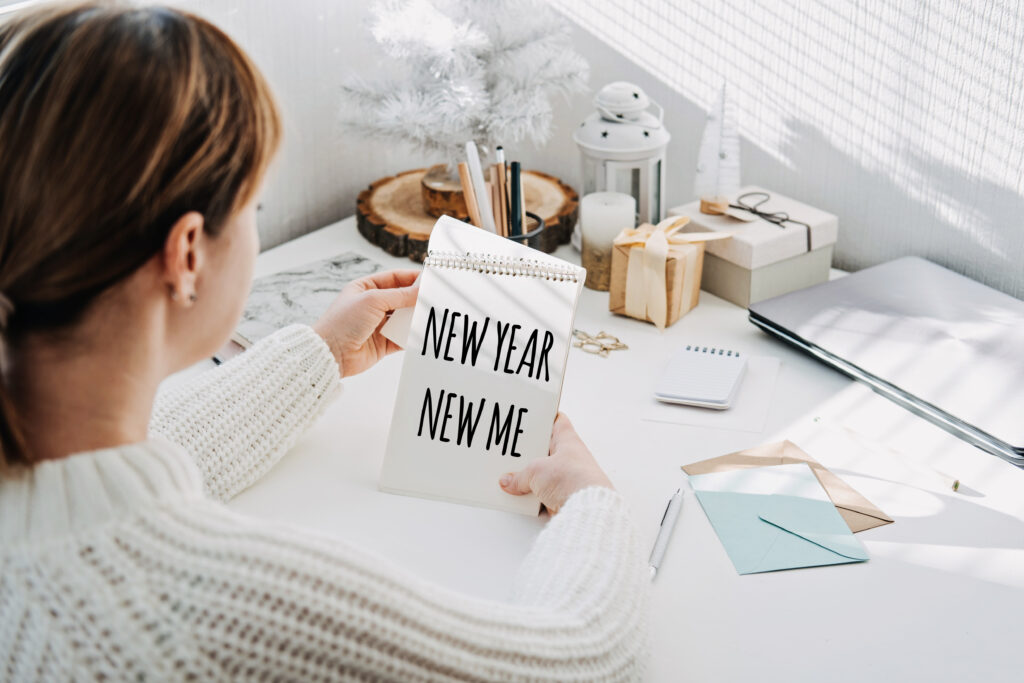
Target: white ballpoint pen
point(668, 523)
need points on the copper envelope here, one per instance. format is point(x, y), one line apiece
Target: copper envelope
point(856, 510)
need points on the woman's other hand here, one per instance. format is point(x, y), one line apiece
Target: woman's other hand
point(569, 468)
point(351, 325)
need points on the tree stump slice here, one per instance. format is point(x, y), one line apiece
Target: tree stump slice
point(442, 195)
point(391, 212)
point(555, 202)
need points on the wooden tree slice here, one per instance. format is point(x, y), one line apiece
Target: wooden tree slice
point(391, 212)
point(555, 202)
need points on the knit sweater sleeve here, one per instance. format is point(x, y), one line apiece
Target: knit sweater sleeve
point(237, 420)
point(297, 608)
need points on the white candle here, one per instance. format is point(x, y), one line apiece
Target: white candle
point(603, 215)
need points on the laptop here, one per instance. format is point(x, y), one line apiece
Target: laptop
point(937, 343)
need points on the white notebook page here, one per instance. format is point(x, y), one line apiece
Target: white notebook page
point(482, 372)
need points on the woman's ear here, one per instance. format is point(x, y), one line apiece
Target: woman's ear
point(183, 257)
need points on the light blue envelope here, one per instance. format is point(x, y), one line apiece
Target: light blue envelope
point(763, 530)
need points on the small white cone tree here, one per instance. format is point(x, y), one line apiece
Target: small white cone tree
point(718, 165)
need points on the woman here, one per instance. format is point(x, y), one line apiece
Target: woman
point(133, 144)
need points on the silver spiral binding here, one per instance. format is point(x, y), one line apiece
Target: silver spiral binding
point(501, 265)
point(712, 351)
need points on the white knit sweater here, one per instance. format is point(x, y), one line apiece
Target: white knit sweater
point(119, 564)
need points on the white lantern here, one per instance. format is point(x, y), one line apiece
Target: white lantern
point(623, 148)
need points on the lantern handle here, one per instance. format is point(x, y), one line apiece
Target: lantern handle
point(611, 116)
point(615, 117)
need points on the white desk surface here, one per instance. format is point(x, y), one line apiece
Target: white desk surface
point(942, 598)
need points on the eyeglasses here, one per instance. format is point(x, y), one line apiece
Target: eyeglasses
point(599, 344)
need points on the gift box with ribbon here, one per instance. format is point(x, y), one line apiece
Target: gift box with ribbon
point(656, 271)
point(778, 245)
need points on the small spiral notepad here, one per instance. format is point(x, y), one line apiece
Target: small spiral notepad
point(704, 376)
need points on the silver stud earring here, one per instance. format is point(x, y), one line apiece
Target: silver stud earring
point(192, 297)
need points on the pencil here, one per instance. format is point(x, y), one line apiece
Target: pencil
point(496, 200)
point(503, 227)
point(507, 187)
point(467, 191)
point(503, 180)
point(492, 187)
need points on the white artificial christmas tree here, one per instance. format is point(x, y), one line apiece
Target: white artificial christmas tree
point(481, 70)
point(718, 165)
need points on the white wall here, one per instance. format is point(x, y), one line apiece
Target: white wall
point(905, 120)
point(306, 48)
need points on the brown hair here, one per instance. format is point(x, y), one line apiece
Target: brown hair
point(114, 122)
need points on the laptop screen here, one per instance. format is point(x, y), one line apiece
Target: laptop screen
point(937, 336)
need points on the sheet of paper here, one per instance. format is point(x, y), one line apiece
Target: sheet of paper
point(397, 327)
point(749, 412)
point(774, 518)
point(298, 295)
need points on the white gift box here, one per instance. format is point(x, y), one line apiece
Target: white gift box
point(764, 259)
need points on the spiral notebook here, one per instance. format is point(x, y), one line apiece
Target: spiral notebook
point(704, 376)
point(482, 375)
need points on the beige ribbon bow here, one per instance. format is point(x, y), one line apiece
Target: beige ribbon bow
point(646, 295)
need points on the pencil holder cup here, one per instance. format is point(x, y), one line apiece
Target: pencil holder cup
point(534, 235)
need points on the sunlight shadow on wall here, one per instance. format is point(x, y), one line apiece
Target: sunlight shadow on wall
point(905, 120)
